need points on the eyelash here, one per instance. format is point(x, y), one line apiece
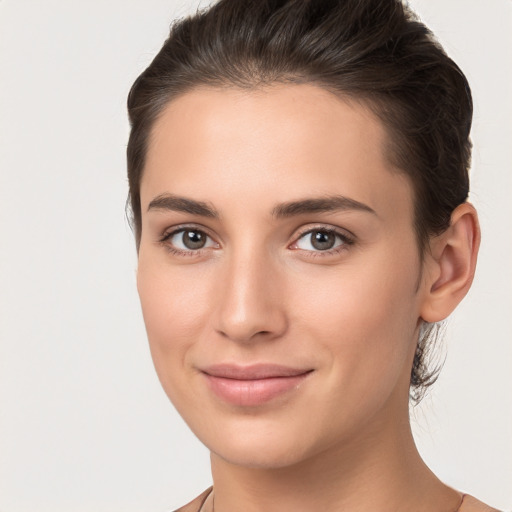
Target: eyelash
point(347, 240)
point(163, 240)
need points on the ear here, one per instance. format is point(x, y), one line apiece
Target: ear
point(450, 265)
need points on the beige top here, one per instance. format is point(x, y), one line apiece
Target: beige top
point(195, 505)
point(469, 504)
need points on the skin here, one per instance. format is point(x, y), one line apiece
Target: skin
point(259, 291)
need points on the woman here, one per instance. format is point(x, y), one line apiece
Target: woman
point(298, 183)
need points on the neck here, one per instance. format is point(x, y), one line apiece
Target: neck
point(380, 469)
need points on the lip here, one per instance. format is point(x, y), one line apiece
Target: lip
point(253, 385)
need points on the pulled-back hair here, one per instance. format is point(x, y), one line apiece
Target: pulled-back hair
point(373, 51)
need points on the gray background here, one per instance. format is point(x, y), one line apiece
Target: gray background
point(84, 425)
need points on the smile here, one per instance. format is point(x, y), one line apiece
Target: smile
point(253, 385)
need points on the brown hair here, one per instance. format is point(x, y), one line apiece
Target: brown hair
point(374, 51)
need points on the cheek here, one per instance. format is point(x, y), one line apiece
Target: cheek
point(174, 306)
point(363, 317)
point(361, 295)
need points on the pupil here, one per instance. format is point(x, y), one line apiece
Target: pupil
point(323, 240)
point(193, 239)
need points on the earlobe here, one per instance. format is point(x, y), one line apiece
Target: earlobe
point(451, 264)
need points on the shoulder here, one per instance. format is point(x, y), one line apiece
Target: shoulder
point(470, 504)
point(195, 504)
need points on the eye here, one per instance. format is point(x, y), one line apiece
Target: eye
point(321, 240)
point(188, 239)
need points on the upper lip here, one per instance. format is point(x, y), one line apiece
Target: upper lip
point(253, 372)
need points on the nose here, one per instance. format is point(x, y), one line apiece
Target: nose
point(251, 301)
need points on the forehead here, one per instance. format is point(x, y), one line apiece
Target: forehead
point(294, 140)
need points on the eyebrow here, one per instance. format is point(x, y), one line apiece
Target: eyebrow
point(182, 204)
point(319, 205)
point(289, 209)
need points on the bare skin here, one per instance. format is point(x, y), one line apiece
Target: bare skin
point(283, 271)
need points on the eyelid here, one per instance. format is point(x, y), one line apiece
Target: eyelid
point(346, 236)
point(342, 232)
point(170, 232)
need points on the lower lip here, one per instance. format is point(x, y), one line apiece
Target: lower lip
point(253, 392)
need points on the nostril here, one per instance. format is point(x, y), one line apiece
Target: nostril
point(242, 335)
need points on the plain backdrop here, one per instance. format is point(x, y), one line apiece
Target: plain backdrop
point(84, 425)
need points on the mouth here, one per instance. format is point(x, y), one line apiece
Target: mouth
point(253, 385)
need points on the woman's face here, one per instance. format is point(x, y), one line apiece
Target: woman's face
point(278, 272)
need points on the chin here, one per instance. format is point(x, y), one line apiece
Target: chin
point(258, 457)
point(256, 445)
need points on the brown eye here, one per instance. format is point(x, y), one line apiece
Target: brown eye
point(186, 240)
point(322, 240)
point(193, 239)
point(318, 240)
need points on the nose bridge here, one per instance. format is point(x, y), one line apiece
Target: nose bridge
point(250, 301)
